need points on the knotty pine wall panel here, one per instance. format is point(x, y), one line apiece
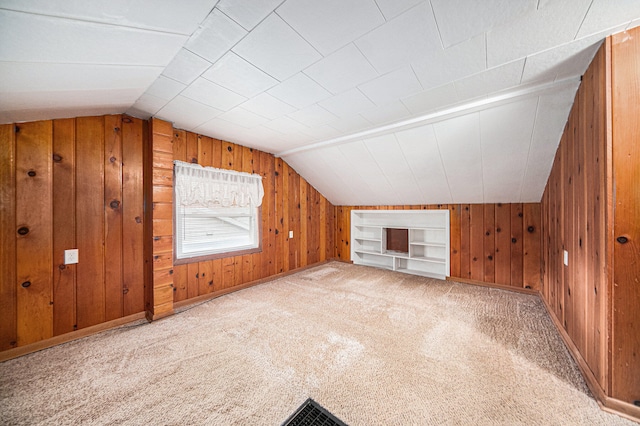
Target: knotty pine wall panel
point(575, 211)
point(289, 204)
point(596, 297)
point(479, 233)
point(73, 183)
point(625, 82)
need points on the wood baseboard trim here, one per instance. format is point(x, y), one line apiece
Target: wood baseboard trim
point(493, 285)
point(68, 337)
point(606, 403)
point(215, 294)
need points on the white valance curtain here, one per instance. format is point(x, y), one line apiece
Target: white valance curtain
point(198, 186)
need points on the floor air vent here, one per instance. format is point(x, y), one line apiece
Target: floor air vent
point(312, 414)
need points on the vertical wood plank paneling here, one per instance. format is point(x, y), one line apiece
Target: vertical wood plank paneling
point(304, 206)
point(476, 241)
point(489, 243)
point(113, 217)
point(531, 271)
point(192, 147)
point(34, 248)
point(465, 241)
point(180, 145)
point(8, 278)
point(247, 259)
point(294, 218)
point(286, 173)
point(205, 279)
point(64, 225)
point(625, 65)
point(517, 215)
point(503, 244)
point(193, 285)
point(90, 222)
point(278, 212)
point(161, 216)
point(133, 131)
point(455, 239)
point(205, 151)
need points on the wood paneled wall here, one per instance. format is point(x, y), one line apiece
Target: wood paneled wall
point(591, 199)
point(69, 183)
point(289, 204)
point(491, 243)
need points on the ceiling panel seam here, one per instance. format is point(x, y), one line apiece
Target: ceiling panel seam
point(95, 22)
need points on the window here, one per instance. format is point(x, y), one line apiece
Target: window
point(217, 212)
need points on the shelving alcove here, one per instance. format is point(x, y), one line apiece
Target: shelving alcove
point(410, 241)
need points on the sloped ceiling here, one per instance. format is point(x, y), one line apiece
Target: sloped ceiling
point(372, 101)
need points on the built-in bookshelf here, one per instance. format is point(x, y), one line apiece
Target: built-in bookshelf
point(420, 240)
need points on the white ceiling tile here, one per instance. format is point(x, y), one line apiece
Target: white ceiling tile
point(567, 60)
point(35, 38)
point(386, 151)
point(492, 80)
point(286, 125)
point(608, 14)
point(342, 70)
point(27, 106)
point(163, 15)
point(392, 86)
point(392, 8)
point(242, 117)
point(208, 93)
point(347, 20)
point(248, 13)
point(456, 62)
point(461, 20)
point(350, 124)
point(186, 67)
point(35, 77)
point(313, 115)
point(505, 136)
point(405, 39)
point(299, 91)
point(222, 130)
point(420, 148)
point(366, 170)
point(347, 103)
point(459, 145)
point(324, 132)
point(50, 106)
point(276, 49)
point(551, 117)
point(388, 113)
point(165, 88)
point(432, 99)
point(186, 113)
point(267, 106)
point(147, 105)
point(236, 74)
point(531, 32)
point(216, 35)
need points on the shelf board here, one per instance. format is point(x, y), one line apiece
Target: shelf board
point(394, 253)
point(377, 240)
point(377, 253)
point(421, 273)
point(429, 259)
point(422, 243)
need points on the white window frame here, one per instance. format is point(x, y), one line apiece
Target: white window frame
point(213, 208)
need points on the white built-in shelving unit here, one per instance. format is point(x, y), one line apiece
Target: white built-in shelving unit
point(428, 240)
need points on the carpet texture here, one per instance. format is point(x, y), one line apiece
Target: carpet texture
point(373, 347)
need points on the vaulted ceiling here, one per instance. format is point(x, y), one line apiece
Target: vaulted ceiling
point(372, 101)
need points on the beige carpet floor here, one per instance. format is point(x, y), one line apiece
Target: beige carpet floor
point(373, 347)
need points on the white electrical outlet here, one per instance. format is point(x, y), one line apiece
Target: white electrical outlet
point(70, 256)
point(290, 234)
point(566, 258)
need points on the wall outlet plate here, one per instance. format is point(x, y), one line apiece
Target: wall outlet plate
point(290, 234)
point(566, 258)
point(70, 256)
